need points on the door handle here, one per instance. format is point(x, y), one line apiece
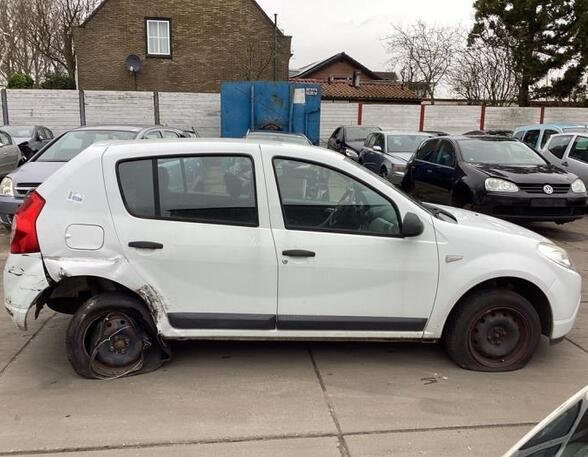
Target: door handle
point(145, 245)
point(299, 253)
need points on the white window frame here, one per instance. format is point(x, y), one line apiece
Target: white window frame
point(155, 35)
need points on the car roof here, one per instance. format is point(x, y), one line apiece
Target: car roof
point(400, 132)
point(562, 125)
point(478, 137)
point(122, 128)
point(271, 132)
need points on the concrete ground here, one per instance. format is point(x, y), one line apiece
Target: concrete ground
point(287, 399)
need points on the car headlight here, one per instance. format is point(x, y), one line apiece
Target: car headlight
point(399, 168)
point(500, 185)
point(555, 254)
point(578, 186)
point(6, 188)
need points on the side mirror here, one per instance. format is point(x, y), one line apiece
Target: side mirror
point(412, 226)
point(352, 154)
point(377, 148)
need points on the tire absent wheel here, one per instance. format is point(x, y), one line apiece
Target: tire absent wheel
point(111, 336)
point(493, 330)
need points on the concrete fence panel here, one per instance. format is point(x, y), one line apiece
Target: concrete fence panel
point(510, 118)
point(566, 115)
point(109, 107)
point(57, 109)
point(393, 117)
point(185, 110)
point(334, 115)
point(452, 119)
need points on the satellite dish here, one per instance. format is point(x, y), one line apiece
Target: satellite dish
point(133, 63)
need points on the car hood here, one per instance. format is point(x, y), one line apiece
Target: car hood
point(35, 172)
point(482, 221)
point(20, 140)
point(402, 156)
point(526, 174)
point(355, 145)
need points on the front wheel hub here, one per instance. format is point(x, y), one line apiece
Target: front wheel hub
point(497, 335)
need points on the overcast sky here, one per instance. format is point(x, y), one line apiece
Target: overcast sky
point(321, 28)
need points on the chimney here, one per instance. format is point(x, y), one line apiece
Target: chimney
point(356, 79)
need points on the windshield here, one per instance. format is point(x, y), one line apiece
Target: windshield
point(499, 153)
point(72, 143)
point(19, 132)
point(575, 130)
point(295, 139)
point(404, 143)
point(358, 133)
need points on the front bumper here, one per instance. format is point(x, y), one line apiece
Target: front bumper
point(539, 207)
point(24, 284)
point(8, 207)
point(565, 296)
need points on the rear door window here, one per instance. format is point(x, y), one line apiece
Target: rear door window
point(559, 145)
point(203, 189)
point(153, 135)
point(531, 138)
point(170, 134)
point(580, 149)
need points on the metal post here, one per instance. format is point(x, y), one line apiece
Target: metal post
point(422, 118)
point(3, 96)
point(483, 117)
point(82, 98)
point(156, 114)
point(542, 115)
point(360, 114)
point(275, 50)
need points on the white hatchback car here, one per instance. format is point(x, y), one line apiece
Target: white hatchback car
point(214, 239)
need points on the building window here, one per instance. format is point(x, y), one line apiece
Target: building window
point(158, 37)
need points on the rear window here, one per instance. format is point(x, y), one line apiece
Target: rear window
point(72, 143)
point(203, 189)
point(405, 143)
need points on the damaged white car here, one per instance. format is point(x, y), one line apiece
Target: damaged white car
point(210, 239)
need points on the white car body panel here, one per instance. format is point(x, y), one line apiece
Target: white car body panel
point(227, 269)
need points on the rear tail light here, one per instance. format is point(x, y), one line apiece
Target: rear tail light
point(24, 226)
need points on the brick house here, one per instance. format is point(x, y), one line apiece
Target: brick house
point(345, 79)
point(185, 45)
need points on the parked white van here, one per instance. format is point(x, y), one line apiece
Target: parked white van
point(216, 239)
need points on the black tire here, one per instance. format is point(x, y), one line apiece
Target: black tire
point(82, 330)
point(493, 330)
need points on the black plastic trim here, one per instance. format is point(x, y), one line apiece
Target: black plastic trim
point(391, 324)
point(216, 321)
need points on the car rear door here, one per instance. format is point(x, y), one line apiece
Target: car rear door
point(196, 228)
point(343, 265)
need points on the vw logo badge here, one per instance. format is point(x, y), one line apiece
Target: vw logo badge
point(548, 189)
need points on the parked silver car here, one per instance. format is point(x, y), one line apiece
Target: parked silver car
point(570, 152)
point(10, 154)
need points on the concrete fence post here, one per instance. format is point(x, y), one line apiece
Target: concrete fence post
point(156, 115)
point(542, 115)
point(4, 98)
point(422, 118)
point(82, 98)
point(360, 113)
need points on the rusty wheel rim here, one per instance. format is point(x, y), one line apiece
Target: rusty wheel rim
point(499, 337)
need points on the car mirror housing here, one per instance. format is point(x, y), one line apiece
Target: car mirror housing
point(412, 226)
point(378, 148)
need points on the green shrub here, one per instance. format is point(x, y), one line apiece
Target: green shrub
point(58, 80)
point(20, 81)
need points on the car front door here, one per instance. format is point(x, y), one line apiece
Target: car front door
point(196, 229)
point(443, 171)
point(556, 150)
point(343, 264)
point(577, 158)
point(8, 154)
point(422, 171)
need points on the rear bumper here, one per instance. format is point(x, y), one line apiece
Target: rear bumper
point(546, 208)
point(24, 284)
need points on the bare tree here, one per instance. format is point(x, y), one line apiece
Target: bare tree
point(484, 74)
point(423, 53)
point(258, 60)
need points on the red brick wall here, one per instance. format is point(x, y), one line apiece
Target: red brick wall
point(212, 41)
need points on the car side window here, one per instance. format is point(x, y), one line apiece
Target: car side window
point(369, 141)
point(49, 134)
point(341, 134)
point(446, 155)
point(335, 134)
point(428, 151)
point(546, 135)
point(200, 189)
point(559, 145)
point(153, 135)
point(531, 137)
point(318, 198)
point(42, 134)
point(4, 139)
point(379, 141)
point(170, 134)
point(519, 135)
point(579, 149)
